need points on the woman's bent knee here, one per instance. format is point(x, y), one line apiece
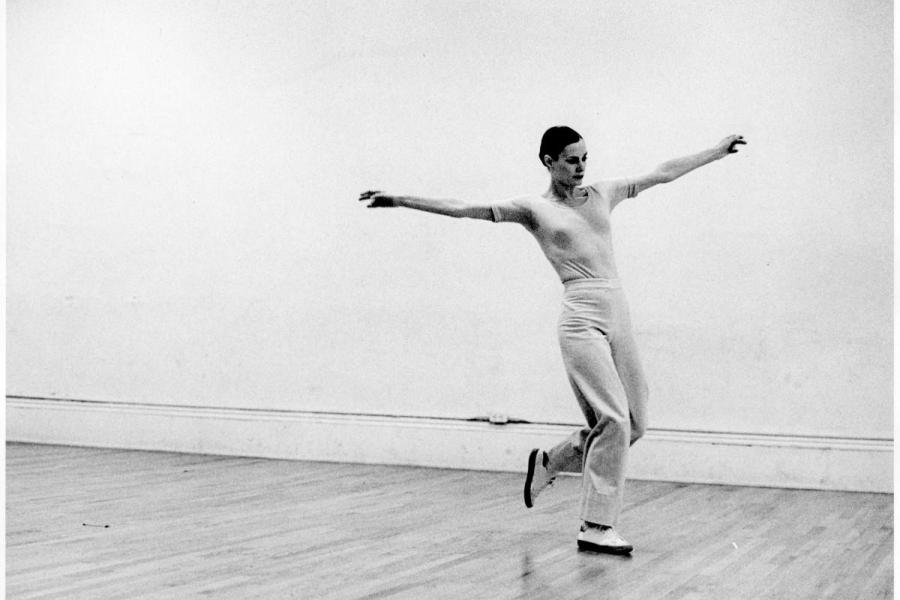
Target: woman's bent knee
point(637, 431)
point(639, 418)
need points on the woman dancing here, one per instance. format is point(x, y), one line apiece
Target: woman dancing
point(571, 223)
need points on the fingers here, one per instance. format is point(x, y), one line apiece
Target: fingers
point(372, 197)
point(736, 140)
point(376, 199)
point(368, 195)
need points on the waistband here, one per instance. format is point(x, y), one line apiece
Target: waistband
point(592, 283)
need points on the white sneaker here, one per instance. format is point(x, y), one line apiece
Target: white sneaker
point(538, 477)
point(600, 539)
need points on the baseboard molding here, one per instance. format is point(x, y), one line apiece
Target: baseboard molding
point(829, 463)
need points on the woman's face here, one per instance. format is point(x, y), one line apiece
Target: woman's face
point(568, 168)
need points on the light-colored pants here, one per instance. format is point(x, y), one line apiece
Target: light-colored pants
point(601, 359)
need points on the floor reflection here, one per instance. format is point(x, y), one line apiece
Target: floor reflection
point(558, 573)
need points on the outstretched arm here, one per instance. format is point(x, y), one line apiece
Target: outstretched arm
point(673, 169)
point(447, 206)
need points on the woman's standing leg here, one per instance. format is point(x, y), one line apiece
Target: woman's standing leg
point(602, 397)
point(628, 365)
point(604, 371)
point(599, 450)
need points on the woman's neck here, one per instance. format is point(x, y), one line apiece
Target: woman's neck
point(561, 192)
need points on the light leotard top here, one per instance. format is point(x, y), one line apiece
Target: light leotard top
point(576, 239)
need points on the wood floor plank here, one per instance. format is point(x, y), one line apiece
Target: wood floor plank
point(114, 524)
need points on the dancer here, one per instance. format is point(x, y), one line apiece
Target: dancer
point(571, 223)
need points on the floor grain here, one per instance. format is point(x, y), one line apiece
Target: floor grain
point(115, 524)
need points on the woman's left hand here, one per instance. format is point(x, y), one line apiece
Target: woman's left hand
point(729, 144)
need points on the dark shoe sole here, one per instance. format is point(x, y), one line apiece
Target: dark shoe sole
point(529, 478)
point(582, 545)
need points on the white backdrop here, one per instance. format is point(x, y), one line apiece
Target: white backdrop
point(183, 229)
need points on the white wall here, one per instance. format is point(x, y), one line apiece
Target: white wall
point(183, 229)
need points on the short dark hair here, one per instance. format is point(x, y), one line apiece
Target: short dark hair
point(555, 139)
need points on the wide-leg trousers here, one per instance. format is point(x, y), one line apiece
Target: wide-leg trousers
point(604, 370)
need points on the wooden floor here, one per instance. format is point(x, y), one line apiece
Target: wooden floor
point(104, 524)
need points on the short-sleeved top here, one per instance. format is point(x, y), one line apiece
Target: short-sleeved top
point(575, 239)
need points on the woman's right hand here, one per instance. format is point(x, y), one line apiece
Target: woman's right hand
point(377, 199)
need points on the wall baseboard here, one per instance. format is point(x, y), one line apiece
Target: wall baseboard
point(828, 463)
